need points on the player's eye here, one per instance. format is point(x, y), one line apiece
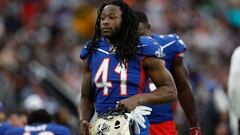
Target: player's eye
point(102, 18)
point(112, 17)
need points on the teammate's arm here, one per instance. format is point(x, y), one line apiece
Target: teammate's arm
point(185, 95)
point(165, 92)
point(86, 108)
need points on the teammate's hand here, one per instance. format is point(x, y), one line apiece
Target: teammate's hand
point(84, 127)
point(195, 131)
point(129, 103)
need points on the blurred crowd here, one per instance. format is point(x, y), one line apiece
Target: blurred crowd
point(52, 33)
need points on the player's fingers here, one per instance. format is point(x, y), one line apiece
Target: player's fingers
point(138, 119)
point(129, 116)
point(136, 128)
point(139, 116)
point(120, 109)
point(143, 112)
point(141, 123)
point(141, 107)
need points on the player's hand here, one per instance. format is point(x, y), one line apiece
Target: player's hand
point(129, 103)
point(84, 127)
point(195, 131)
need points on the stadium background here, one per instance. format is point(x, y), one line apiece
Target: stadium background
point(40, 41)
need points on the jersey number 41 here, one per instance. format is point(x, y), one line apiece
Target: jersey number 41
point(101, 77)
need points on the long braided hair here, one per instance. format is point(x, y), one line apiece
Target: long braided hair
point(127, 36)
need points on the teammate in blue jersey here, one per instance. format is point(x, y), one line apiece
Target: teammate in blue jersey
point(4, 126)
point(117, 63)
point(39, 124)
point(172, 51)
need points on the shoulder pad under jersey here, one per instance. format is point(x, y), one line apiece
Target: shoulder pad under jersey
point(84, 52)
point(149, 47)
point(179, 45)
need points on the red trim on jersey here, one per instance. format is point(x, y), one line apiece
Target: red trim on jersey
point(143, 76)
point(127, 80)
point(180, 54)
point(119, 75)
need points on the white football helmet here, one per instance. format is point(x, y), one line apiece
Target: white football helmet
point(114, 124)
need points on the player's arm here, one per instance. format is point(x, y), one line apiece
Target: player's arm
point(163, 80)
point(181, 77)
point(86, 108)
point(160, 76)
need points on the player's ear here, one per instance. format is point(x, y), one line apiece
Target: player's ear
point(149, 26)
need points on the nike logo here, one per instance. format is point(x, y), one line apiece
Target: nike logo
point(166, 45)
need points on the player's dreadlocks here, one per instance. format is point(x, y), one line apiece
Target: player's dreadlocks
point(127, 36)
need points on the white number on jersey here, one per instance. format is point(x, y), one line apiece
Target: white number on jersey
point(151, 86)
point(102, 73)
point(122, 70)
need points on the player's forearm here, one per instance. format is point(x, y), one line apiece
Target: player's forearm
point(161, 95)
point(86, 110)
point(189, 106)
point(185, 96)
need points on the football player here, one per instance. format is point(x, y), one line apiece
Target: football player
point(4, 125)
point(117, 63)
point(172, 51)
point(39, 124)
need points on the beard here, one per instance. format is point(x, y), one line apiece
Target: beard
point(113, 35)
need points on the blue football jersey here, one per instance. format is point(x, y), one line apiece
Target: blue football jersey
point(4, 127)
point(113, 82)
point(171, 47)
point(40, 129)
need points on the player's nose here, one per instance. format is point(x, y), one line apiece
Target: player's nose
point(106, 21)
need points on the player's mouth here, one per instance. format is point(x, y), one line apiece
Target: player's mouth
point(106, 30)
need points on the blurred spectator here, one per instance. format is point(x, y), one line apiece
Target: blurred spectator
point(63, 117)
point(33, 102)
point(234, 91)
point(84, 20)
point(17, 118)
point(39, 122)
point(2, 115)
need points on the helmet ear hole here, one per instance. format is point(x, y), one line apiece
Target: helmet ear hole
point(117, 124)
